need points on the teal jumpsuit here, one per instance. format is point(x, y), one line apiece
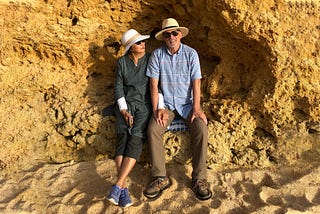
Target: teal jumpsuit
point(132, 83)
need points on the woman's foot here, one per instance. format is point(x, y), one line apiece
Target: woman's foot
point(114, 194)
point(125, 200)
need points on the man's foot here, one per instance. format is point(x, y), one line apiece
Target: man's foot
point(156, 187)
point(202, 189)
point(125, 200)
point(114, 194)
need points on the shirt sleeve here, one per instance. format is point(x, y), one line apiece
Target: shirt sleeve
point(153, 67)
point(119, 87)
point(122, 104)
point(195, 65)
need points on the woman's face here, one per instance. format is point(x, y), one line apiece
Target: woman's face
point(139, 47)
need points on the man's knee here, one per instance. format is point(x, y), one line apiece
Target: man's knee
point(153, 127)
point(198, 125)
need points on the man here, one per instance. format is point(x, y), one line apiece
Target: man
point(175, 78)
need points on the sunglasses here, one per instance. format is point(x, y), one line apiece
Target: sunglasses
point(168, 34)
point(139, 42)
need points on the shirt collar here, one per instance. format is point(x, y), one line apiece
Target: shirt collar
point(178, 52)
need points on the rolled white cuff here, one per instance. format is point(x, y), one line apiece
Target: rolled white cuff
point(122, 104)
point(160, 102)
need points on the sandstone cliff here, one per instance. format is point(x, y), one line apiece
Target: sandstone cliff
point(260, 62)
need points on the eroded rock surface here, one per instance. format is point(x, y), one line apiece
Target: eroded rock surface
point(260, 62)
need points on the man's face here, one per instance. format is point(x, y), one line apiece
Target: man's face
point(172, 38)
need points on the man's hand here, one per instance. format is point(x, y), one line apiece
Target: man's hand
point(199, 114)
point(127, 117)
point(161, 116)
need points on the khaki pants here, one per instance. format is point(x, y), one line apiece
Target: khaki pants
point(199, 145)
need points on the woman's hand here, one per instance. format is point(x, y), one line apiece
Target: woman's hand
point(127, 117)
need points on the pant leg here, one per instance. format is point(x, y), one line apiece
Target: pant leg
point(133, 147)
point(130, 140)
point(199, 147)
point(157, 149)
point(122, 133)
point(121, 144)
point(122, 126)
point(141, 116)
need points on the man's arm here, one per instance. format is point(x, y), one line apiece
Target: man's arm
point(196, 86)
point(154, 93)
point(159, 114)
point(197, 112)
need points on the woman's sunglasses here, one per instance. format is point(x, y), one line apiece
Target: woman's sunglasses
point(168, 34)
point(139, 42)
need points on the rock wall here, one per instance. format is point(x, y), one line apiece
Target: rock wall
point(260, 62)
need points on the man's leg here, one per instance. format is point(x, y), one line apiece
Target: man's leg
point(155, 139)
point(199, 146)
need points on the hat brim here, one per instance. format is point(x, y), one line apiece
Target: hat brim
point(140, 38)
point(184, 32)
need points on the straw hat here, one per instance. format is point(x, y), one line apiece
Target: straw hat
point(171, 24)
point(130, 37)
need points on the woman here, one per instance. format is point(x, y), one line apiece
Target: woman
point(133, 111)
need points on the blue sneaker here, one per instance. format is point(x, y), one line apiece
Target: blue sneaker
point(114, 194)
point(125, 200)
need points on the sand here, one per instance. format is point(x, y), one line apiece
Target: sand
point(82, 187)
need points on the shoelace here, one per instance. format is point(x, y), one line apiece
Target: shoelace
point(200, 184)
point(125, 194)
point(156, 182)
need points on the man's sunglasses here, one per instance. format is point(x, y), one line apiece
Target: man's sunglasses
point(168, 34)
point(139, 42)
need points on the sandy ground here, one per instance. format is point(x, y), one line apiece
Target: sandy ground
point(82, 187)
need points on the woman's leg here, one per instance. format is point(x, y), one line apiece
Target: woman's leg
point(124, 170)
point(131, 154)
point(118, 161)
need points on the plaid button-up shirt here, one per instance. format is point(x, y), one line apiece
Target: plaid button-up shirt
point(175, 73)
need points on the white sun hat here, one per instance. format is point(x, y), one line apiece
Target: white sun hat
point(130, 37)
point(171, 24)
